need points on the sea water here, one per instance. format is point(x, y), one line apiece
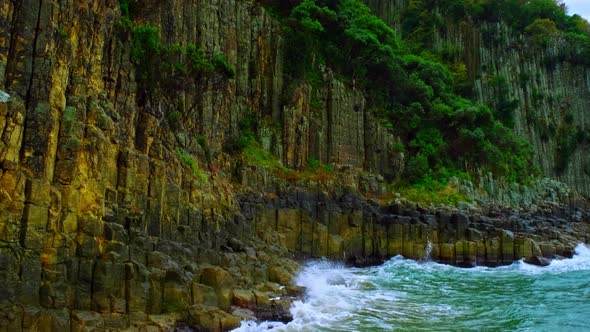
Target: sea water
point(406, 295)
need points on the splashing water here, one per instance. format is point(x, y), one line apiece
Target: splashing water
point(428, 251)
point(426, 296)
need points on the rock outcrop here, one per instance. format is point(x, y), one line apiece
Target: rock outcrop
point(113, 216)
point(348, 228)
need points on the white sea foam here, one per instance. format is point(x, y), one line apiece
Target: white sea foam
point(336, 294)
point(580, 262)
point(330, 297)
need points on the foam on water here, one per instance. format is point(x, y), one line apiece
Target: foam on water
point(426, 295)
point(580, 262)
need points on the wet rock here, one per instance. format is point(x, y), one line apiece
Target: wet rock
point(279, 275)
point(280, 310)
point(295, 291)
point(244, 314)
point(244, 298)
point(568, 253)
point(507, 239)
point(205, 318)
point(537, 260)
point(548, 250)
point(262, 300)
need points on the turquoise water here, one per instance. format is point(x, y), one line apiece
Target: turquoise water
point(423, 296)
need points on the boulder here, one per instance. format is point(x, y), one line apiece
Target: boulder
point(279, 275)
point(205, 318)
point(216, 277)
point(279, 310)
point(221, 281)
point(165, 322)
point(537, 260)
point(175, 297)
point(244, 298)
point(204, 295)
point(243, 314)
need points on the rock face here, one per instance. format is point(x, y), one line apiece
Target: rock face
point(362, 232)
point(113, 216)
point(103, 221)
point(551, 94)
point(494, 192)
point(536, 260)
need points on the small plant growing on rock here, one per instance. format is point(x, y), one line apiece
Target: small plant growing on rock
point(189, 161)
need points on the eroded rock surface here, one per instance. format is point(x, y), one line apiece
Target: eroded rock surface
point(115, 217)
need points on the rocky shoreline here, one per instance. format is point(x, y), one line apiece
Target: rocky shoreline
point(226, 255)
point(360, 231)
point(143, 283)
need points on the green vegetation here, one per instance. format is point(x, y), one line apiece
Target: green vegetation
point(255, 155)
point(173, 69)
point(434, 194)
point(202, 141)
point(248, 125)
point(418, 91)
point(129, 8)
point(414, 92)
point(168, 70)
point(544, 22)
point(569, 137)
point(69, 114)
point(541, 20)
point(173, 118)
point(541, 31)
point(504, 105)
point(189, 161)
point(314, 165)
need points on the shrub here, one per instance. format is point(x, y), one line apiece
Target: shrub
point(541, 31)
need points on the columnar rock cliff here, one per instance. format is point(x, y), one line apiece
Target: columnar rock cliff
point(114, 216)
point(551, 94)
point(101, 222)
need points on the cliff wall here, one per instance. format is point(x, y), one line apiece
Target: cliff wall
point(114, 216)
point(109, 209)
point(551, 94)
